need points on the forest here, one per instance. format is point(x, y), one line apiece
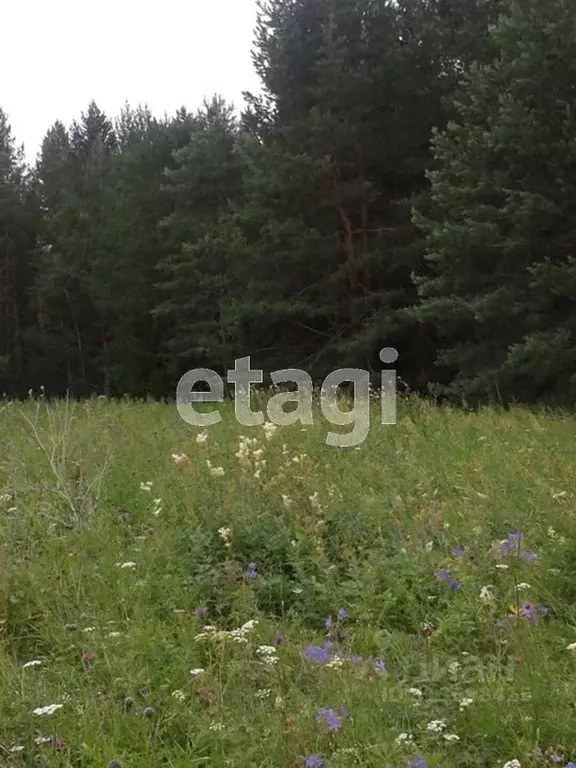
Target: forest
point(405, 178)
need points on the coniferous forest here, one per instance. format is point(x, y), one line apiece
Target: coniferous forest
point(406, 178)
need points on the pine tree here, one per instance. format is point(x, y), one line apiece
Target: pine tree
point(500, 230)
point(18, 230)
point(353, 89)
point(74, 171)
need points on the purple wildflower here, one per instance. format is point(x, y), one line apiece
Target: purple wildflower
point(527, 611)
point(556, 759)
point(318, 655)
point(356, 659)
point(200, 612)
point(314, 761)
point(330, 719)
point(418, 762)
point(380, 666)
point(570, 765)
point(512, 543)
point(458, 551)
point(343, 614)
point(529, 557)
point(328, 622)
point(278, 639)
point(443, 575)
point(251, 571)
point(543, 610)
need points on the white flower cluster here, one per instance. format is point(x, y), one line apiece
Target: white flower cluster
point(267, 654)
point(215, 471)
point(238, 634)
point(179, 695)
point(486, 595)
point(180, 459)
point(290, 460)
point(249, 456)
point(225, 535)
point(50, 709)
point(436, 726)
point(454, 667)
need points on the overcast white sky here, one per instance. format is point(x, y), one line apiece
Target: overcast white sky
point(56, 55)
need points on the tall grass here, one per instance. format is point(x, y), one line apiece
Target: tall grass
point(123, 534)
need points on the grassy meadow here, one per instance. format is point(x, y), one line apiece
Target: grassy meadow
point(247, 598)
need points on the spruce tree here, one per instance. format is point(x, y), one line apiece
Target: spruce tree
point(18, 230)
point(500, 230)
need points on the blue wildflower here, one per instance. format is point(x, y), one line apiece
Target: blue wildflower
point(458, 551)
point(512, 543)
point(330, 719)
point(418, 762)
point(443, 575)
point(343, 614)
point(314, 761)
point(380, 666)
point(316, 654)
point(328, 622)
point(251, 571)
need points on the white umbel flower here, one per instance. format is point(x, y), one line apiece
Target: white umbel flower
point(47, 710)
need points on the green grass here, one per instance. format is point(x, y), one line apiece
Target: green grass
point(382, 523)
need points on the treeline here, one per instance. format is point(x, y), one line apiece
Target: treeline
point(407, 178)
